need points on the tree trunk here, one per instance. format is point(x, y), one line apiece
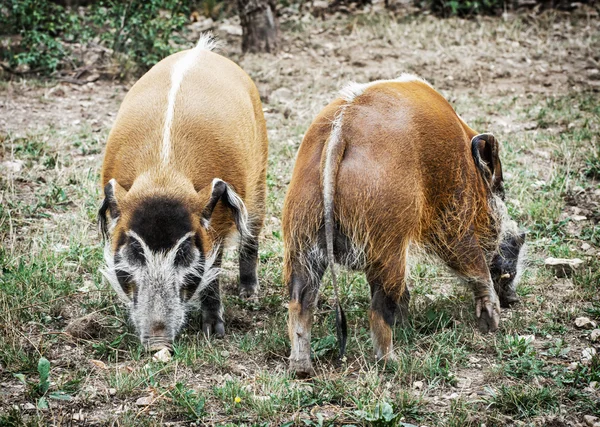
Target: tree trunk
point(259, 25)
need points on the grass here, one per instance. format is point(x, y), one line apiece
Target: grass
point(447, 373)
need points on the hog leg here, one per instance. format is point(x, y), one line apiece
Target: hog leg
point(388, 297)
point(304, 288)
point(210, 306)
point(249, 265)
point(467, 259)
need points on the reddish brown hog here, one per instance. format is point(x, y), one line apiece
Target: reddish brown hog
point(184, 170)
point(386, 168)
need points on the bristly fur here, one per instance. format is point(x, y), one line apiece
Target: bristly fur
point(160, 268)
point(180, 126)
point(407, 180)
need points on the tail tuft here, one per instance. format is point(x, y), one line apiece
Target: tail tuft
point(207, 42)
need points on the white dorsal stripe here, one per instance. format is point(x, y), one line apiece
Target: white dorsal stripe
point(353, 89)
point(180, 68)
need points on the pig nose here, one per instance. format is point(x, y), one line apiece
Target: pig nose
point(157, 340)
point(157, 329)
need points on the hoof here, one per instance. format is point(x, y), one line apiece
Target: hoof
point(488, 313)
point(214, 329)
point(248, 291)
point(301, 368)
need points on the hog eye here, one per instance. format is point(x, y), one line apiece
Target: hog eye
point(190, 285)
point(135, 252)
point(184, 255)
point(127, 284)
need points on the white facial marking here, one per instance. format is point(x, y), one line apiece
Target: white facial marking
point(180, 68)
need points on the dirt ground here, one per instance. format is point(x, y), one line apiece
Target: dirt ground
point(525, 78)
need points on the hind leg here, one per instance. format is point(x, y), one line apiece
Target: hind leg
point(248, 260)
point(305, 280)
point(389, 297)
point(210, 306)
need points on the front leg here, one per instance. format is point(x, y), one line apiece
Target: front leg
point(487, 305)
point(211, 307)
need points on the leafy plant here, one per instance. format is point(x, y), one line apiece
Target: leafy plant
point(38, 24)
point(464, 7)
point(190, 400)
point(144, 31)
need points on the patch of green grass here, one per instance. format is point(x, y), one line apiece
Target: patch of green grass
point(523, 401)
point(519, 358)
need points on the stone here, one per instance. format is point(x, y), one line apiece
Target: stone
point(282, 95)
point(163, 355)
point(590, 420)
point(112, 391)
point(12, 166)
point(585, 323)
point(232, 30)
point(587, 354)
point(418, 385)
point(463, 383)
point(578, 218)
point(563, 267)
point(144, 401)
point(595, 335)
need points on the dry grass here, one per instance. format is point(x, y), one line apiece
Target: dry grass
point(533, 81)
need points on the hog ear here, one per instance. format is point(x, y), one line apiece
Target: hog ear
point(113, 194)
point(221, 191)
point(485, 149)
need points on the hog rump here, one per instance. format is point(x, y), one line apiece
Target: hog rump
point(184, 170)
point(387, 167)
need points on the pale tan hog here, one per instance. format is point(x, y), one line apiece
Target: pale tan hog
point(184, 170)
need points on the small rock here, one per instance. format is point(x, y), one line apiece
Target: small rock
point(112, 391)
point(585, 246)
point(590, 420)
point(163, 355)
point(595, 335)
point(578, 217)
point(573, 366)
point(99, 364)
point(585, 323)
point(282, 95)
point(578, 189)
point(418, 385)
point(29, 406)
point(463, 382)
point(587, 354)
point(563, 267)
point(203, 25)
point(86, 327)
point(12, 166)
point(233, 30)
point(144, 401)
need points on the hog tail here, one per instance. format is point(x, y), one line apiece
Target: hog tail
point(333, 151)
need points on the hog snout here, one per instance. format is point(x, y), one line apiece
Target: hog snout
point(508, 299)
point(158, 338)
